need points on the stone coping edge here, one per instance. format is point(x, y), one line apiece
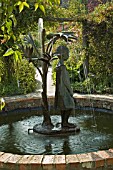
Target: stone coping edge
point(93, 160)
point(100, 160)
point(34, 100)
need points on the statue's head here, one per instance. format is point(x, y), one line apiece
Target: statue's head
point(62, 52)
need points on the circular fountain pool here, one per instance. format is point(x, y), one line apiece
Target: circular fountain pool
point(96, 133)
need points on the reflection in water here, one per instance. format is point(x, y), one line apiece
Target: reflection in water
point(48, 149)
point(66, 148)
point(15, 137)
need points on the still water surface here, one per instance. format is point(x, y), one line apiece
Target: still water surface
point(96, 134)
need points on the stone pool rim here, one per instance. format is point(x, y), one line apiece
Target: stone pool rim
point(93, 160)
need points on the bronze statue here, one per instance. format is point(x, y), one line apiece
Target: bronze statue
point(64, 100)
point(63, 96)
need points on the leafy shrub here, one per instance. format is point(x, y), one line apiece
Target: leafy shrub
point(26, 77)
point(9, 89)
point(1, 69)
point(23, 80)
point(78, 87)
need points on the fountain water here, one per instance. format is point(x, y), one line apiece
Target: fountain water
point(40, 30)
point(16, 140)
point(69, 147)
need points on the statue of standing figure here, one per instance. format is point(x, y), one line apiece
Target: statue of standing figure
point(64, 100)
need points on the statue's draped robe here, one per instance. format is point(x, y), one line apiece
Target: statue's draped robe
point(63, 94)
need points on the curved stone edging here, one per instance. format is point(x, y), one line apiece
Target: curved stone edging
point(34, 100)
point(94, 160)
point(96, 101)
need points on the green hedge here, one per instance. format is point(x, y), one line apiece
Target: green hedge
point(22, 82)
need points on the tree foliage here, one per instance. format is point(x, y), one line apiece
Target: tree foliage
point(101, 46)
point(10, 10)
point(100, 49)
point(10, 31)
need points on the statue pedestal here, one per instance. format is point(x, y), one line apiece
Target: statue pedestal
point(38, 128)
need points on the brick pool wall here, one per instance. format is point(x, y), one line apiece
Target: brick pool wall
point(101, 160)
point(33, 100)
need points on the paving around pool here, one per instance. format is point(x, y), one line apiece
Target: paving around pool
point(100, 160)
